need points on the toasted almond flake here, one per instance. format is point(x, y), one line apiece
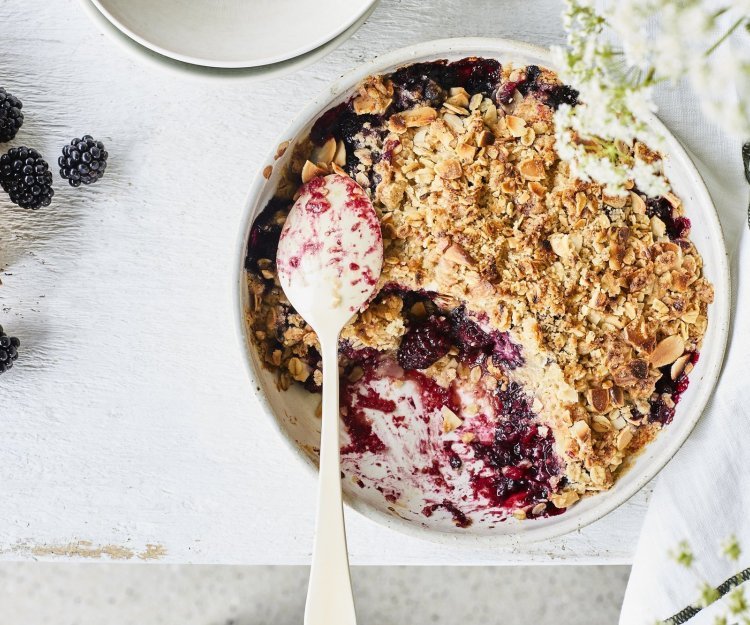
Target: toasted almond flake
point(639, 206)
point(450, 420)
point(615, 201)
point(458, 110)
point(678, 366)
point(601, 424)
point(624, 438)
point(460, 94)
point(466, 152)
point(537, 189)
point(673, 200)
point(516, 125)
point(658, 227)
point(460, 101)
point(449, 169)
point(560, 244)
point(267, 171)
point(508, 185)
point(538, 509)
point(311, 170)
point(454, 123)
point(325, 152)
point(485, 138)
point(532, 169)
point(599, 399)
point(528, 137)
point(475, 101)
point(581, 431)
point(565, 499)
point(338, 170)
point(419, 116)
point(667, 351)
point(362, 179)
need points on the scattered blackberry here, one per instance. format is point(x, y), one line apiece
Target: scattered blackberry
point(83, 161)
point(25, 175)
point(8, 350)
point(11, 116)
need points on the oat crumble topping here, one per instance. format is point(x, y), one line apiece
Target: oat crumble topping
point(604, 295)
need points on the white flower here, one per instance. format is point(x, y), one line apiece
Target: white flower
point(654, 41)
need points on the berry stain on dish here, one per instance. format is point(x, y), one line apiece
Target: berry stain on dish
point(529, 334)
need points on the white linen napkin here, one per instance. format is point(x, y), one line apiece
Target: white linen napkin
point(703, 495)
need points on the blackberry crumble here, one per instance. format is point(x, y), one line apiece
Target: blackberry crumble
point(531, 332)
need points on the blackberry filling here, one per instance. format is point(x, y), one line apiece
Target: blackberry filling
point(668, 392)
point(677, 227)
point(522, 454)
point(424, 344)
point(264, 235)
point(552, 94)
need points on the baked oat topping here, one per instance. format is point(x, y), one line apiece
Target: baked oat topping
point(500, 270)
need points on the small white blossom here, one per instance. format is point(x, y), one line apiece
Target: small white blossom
point(656, 41)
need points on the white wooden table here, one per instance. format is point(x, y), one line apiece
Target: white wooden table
point(128, 428)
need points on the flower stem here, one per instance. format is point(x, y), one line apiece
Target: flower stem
point(726, 35)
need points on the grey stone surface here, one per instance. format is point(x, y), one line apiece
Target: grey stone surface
point(43, 593)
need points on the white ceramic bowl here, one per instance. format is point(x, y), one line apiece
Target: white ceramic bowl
point(232, 33)
point(201, 72)
point(293, 411)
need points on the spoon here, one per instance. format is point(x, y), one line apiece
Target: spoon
point(329, 260)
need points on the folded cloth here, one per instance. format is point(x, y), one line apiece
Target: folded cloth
point(701, 501)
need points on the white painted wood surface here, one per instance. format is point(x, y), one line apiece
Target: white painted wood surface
point(129, 420)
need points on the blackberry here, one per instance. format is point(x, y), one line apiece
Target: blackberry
point(83, 161)
point(424, 344)
point(25, 175)
point(8, 350)
point(11, 116)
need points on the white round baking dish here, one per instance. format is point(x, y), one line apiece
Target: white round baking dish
point(292, 411)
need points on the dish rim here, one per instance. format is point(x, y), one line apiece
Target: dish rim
point(720, 309)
